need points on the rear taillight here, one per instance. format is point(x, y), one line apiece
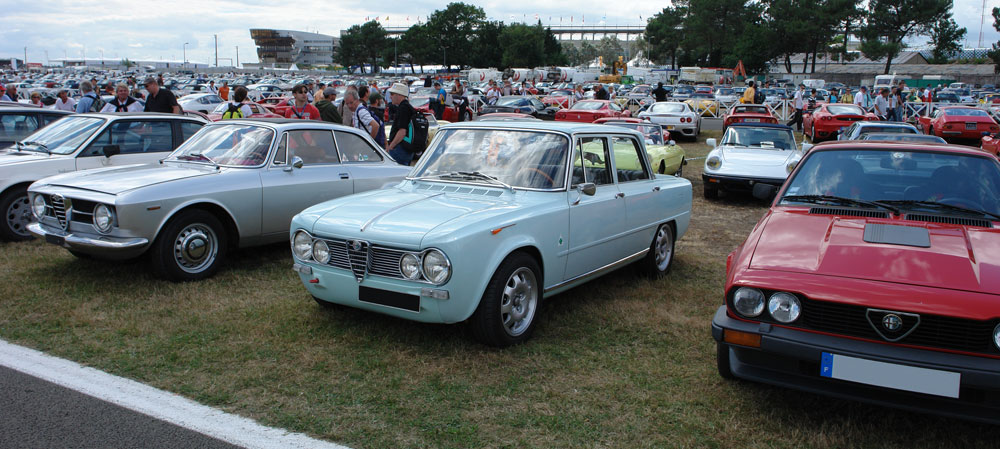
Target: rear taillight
point(826, 118)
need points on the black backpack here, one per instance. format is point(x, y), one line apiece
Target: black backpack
point(758, 96)
point(416, 135)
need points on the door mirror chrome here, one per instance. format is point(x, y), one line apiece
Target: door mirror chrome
point(711, 142)
point(588, 188)
point(296, 163)
point(111, 150)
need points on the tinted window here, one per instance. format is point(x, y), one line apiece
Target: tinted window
point(281, 156)
point(629, 161)
point(49, 118)
point(189, 128)
point(356, 149)
point(596, 164)
point(313, 146)
point(133, 137)
point(14, 127)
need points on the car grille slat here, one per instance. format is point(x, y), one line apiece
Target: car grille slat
point(849, 212)
point(950, 220)
point(370, 259)
point(59, 210)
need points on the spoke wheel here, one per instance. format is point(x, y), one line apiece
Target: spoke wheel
point(506, 314)
point(17, 215)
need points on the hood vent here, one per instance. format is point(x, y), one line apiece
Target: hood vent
point(897, 235)
point(849, 212)
point(455, 189)
point(950, 220)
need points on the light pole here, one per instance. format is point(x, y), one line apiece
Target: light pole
point(185, 50)
point(395, 56)
point(237, 56)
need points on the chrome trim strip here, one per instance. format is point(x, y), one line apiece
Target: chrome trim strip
point(83, 242)
point(393, 209)
point(600, 271)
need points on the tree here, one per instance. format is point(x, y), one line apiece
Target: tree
point(455, 30)
point(553, 49)
point(663, 34)
point(488, 50)
point(418, 45)
point(523, 46)
point(890, 22)
point(713, 27)
point(995, 53)
point(609, 48)
point(946, 37)
point(571, 53)
point(588, 53)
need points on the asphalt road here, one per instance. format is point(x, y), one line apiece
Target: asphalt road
point(38, 414)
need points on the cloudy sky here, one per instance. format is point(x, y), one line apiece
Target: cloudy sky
point(158, 30)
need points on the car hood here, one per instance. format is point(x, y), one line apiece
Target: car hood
point(402, 216)
point(755, 157)
point(21, 157)
point(960, 257)
point(117, 180)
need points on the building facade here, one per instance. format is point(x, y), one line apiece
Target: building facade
point(284, 48)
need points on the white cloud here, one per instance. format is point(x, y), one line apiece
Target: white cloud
point(135, 45)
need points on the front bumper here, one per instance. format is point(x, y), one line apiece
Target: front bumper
point(102, 246)
point(738, 183)
point(793, 358)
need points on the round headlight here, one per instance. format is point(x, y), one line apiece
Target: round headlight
point(436, 267)
point(38, 206)
point(102, 218)
point(789, 167)
point(321, 252)
point(409, 265)
point(302, 245)
point(713, 162)
point(784, 307)
point(748, 301)
point(996, 336)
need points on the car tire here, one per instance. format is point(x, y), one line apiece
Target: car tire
point(516, 288)
point(17, 215)
point(79, 255)
point(190, 247)
point(660, 257)
point(711, 192)
point(326, 304)
point(662, 169)
point(680, 169)
point(812, 133)
point(722, 362)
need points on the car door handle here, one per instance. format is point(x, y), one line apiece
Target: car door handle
point(345, 176)
point(620, 195)
point(656, 189)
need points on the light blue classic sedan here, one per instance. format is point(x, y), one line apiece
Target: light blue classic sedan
point(495, 217)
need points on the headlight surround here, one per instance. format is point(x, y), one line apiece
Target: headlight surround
point(38, 206)
point(748, 301)
point(996, 336)
point(103, 218)
point(409, 265)
point(713, 162)
point(435, 267)
point(302, 246)
point(790, 166)
point(321, 252)
point(784, 307)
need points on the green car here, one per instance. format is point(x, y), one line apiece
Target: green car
point(665, 157)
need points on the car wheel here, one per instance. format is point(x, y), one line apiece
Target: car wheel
point(722, 361)
point(506, 313)
point(711, 192)
point(190, 247)
point(661, 253)
point(663, 168)
point(680, 169)
point(812, 133)
point(17, 215)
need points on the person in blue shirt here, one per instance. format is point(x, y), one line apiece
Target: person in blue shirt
point(439, 101)
point(88, 99)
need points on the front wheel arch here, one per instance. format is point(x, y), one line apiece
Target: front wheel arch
point(223, 215)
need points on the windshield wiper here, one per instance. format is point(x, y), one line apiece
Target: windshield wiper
point(41, 146)
point(197, 157)
point(464, 175)
point(479, 175)
point(937, 205)
point(840, 200)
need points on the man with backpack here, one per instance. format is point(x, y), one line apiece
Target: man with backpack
point(90, 102)
point(237, 108)
point(409, 129)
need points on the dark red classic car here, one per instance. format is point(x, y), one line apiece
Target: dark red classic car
point(963, 122)
point(587, 111)
point(748, 113)
point(824, 122)
point(874, 276)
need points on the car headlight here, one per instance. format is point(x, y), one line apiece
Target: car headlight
point(321, 252)
point(996, 336)
point(790, 166)
point(103, 218)
point(713, 162)
point(409, 265)
point(784, 307)
point(302, 246)
point(436, 267)
point(748, 301)
point(38, 206)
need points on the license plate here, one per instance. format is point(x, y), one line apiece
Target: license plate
point(670, 127)
point(55, 239)
point(752, 120)
point(891, 375)
point(389, 298)
point(970, 126)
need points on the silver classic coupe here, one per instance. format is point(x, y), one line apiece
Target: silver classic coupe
point(235, 183)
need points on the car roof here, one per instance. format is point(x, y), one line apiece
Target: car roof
point(879, 123)
point(161, 115)
point(566, 127)
point(286, 123)
point(896, 137)
point(898, 146)
point(760, 125)
point(31, 109)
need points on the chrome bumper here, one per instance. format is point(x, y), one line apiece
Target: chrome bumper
point(106, 246)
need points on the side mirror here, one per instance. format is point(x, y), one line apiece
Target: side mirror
point(296, 163)
point(111, 150)
point(712, 142)
point(764, 191)
point(588, 188)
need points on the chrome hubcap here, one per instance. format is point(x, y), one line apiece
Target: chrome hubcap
point(195, 248)
point(19, 216)
point(520, 298)
point(663, 248)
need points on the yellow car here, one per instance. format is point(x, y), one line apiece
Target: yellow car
point(667, 158)
point(704, 104)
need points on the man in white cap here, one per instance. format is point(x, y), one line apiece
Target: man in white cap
point(399, 94)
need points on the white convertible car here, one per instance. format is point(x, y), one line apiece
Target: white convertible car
point(751, 155)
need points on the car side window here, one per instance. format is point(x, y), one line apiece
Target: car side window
point(281, 156)
point(17, 127)
point(313, 146)
point(133, 137)
point(629, 161)
point(49, 118)
point(189, 128)
point(592, 161)
point(354, 148)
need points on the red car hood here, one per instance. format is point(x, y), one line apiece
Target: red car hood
point(960, 257)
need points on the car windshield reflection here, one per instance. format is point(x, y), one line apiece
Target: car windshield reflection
point(227, 145)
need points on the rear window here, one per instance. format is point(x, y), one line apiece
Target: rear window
point(965, 112)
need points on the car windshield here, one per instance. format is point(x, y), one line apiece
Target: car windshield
point(587, 106)
point(641, 90)
point(230, 145)
point(667, 108)
point(685, 90)
point(64, 136)
point(938, 182)
point(652, 133)
point(561, 93)
point(750, 110)
point(419, 101)
point(888, 129)
point(965, 112)
point(725, 92)
point(845, 110)
point(512, 101)
point(901, 137)
point(754, 137)
point(705, 95)
point(527, 159)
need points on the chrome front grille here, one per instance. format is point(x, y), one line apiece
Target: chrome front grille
point(370, 259)
point(358, 255)
point(59, 209)
point(385, 262)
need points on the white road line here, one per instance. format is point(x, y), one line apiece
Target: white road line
point(156, 403)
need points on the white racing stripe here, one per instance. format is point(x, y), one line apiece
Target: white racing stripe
point(156, 403)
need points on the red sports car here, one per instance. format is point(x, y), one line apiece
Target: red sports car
point(873, 276)
point(587, 111)
point(258, 112)
point(990, 143)
point(748, 113)
point(963, 122)
point(277, 105)
point(559, 97)
point(423, 104)
point(827, 119)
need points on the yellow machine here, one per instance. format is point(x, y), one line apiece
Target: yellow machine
point(615, 72)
